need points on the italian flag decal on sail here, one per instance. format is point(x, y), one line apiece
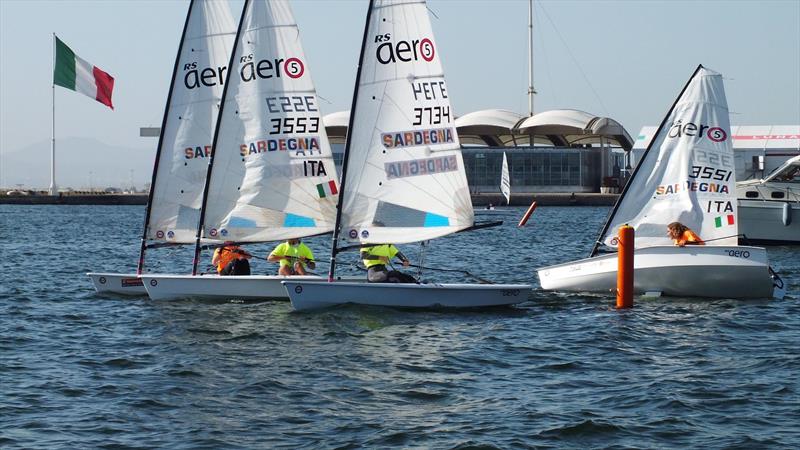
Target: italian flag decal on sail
point(723, 220)
point(73, 73)
point(327, 189)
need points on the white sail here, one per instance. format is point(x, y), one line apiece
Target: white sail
point(687, 174)
point(187, 131)
point(505, 180)
point(405, 177)
point(273, 175)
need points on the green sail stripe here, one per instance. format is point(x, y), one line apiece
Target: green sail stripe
point(64, 70)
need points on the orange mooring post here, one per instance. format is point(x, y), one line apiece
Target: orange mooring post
point(625, 267)
point(527, 215)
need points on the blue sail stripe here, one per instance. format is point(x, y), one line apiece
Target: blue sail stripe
point(293, 220)
point(435, 220)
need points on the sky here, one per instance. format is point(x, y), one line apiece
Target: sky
point(624, 59)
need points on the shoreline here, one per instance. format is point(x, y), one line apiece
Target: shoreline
point(517, 199)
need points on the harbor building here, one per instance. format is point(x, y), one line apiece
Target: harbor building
point(559, 151)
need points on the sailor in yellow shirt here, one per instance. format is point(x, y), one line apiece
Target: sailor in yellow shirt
point(294, 257)
point(377, 257)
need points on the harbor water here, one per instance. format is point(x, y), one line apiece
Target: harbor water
point(84, 370)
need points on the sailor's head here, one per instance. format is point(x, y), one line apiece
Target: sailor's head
point(675, 229)
point(293, 241)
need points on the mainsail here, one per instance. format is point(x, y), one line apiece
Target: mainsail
point(405, 178)
point(187, 130)
point(687, 173)
point(505, 180)
point(272, 176)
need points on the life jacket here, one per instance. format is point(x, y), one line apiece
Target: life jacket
point(371, 255)
point(690, 237)
point(226, 255)
point(295, 251)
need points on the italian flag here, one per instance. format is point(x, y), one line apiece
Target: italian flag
point(327, 189)
point(73, 73)
point(723, 220)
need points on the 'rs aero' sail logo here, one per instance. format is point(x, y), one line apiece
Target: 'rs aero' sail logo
point(403, 51)
point(679, 129)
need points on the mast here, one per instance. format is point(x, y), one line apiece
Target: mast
point(140, 265)
point(200, 223)
point(53, 188)
point(628, 184)
point(340, 202)
point(531, 91)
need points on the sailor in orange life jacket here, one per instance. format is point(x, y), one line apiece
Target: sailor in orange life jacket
point(231, 260)
point(682, 235)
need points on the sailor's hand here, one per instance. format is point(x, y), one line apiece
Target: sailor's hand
point(302, 258)
point(384, 260)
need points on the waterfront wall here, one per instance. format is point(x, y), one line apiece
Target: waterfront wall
point(542, 199)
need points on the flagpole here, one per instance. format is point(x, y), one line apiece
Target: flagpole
point(53, 189)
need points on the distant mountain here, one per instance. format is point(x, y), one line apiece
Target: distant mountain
point(79, 162)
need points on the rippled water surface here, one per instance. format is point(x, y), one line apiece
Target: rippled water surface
point(82, 370)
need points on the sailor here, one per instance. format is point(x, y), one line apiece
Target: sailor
point(377, 257)
point(294, 258)
point(230, 259)
point(682, 235)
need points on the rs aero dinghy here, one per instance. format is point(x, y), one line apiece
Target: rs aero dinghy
point(190, 116)
point(686, 175)
point(396, 189)
point(271, 176)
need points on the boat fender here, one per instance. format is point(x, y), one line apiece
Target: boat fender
point(787, 215)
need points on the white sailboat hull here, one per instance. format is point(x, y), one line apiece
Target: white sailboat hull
point(215, 287)
point(309, 295)
point(117, 283)
point(691, 271)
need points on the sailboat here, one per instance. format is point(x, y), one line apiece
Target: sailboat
point(272, 175)
point(687, 175)
point(184, 145)
point(505, 190)
point(403, 176)
point(505, 181)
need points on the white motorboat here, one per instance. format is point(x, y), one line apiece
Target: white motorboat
point(184, 144)
point(118, 283)
point(691, 271)
point(403, 176)
point(769, 209)
point(686, 175)
point(309, 295)
point(214, 287)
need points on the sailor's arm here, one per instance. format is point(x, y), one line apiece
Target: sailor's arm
point(403, 258)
